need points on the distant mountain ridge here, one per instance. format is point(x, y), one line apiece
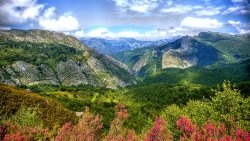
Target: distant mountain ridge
point(207, 48)
point(110, 47)
point(40, 56)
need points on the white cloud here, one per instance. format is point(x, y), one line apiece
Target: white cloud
point(237, 10)
point(200, 23)
point(239, 27)
point(105, 33)
point(140, 6)
point(244, 31)
point(234, 23)
point(151, 35)
point(19, 11)
point(4, 28)
point(78, 34)
point(98, 32)
point(180, 9)
point(50, 21)
point(209, 11)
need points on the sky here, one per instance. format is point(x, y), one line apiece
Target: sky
point(139, 19)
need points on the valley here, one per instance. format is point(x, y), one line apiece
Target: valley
point(48, 77)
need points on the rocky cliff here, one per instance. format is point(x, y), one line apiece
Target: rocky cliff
point(206, 49)
point(39, 56)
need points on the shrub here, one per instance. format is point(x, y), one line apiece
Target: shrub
point(88, 128)
point(13, 132)
point(209, 131)
point(50, 111)
point(159, 132)
point(26, 117)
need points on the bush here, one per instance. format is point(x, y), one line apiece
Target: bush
point(26, 117)
point(50, 111)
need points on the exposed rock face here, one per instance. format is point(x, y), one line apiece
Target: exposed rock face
point(29, 74)
point(76, 66)
point(171, 59)
point(182, 53)
point(42, 36)
point(141, 63)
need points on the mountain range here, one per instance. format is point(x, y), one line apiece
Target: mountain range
point(111, 47)
point(31, 57)
point(208, 48)
point(39, 56)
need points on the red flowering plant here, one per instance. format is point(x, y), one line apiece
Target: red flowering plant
point(159, 131)
point(13, 132)
point(209, 132)
point(117, 132)
point(88, 128)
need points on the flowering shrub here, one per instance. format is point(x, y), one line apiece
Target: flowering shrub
point(116, 131)
point(159, 131)
point(11, 132)
point(209, 132)
point(88, 128)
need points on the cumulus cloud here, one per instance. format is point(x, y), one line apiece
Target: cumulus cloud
point(209, 11)
point(241, 28)
point(180, 9)
point(18, 11)
point(156, 34)
point(239, 9)
point(105, 33)
point(200, 23)
point(140, 6)
point(65, 22)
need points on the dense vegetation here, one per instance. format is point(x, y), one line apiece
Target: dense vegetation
point(49, 111)
point(223, 117)
point(37, 53)
point(208, 48)
point(170, 104)
point(212, 75)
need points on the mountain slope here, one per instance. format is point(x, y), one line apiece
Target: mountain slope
point(205, 49)
point(213, 75)
point(111, 47)
point(39, 56)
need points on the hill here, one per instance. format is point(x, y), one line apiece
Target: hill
point(111, 47)
point(212, 75)
point(39, 56)
point(49, 111)
point(206, 49)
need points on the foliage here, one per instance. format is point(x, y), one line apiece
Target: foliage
point(159, 132)
point(88, 128)
point(26, 117)
point(208, 76)
point(227, 106)
point(209, 131)
point(13, 132)
point(48, 110)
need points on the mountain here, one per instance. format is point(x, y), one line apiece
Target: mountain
point(212, 75)
point(122, 44)
point(206, 49)
point(40, 56)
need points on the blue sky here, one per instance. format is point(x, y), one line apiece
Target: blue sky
point(141, 19)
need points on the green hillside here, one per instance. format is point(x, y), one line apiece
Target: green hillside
point(212, 75)
point(50, 112)
point(208, 48)
point(45, 57)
